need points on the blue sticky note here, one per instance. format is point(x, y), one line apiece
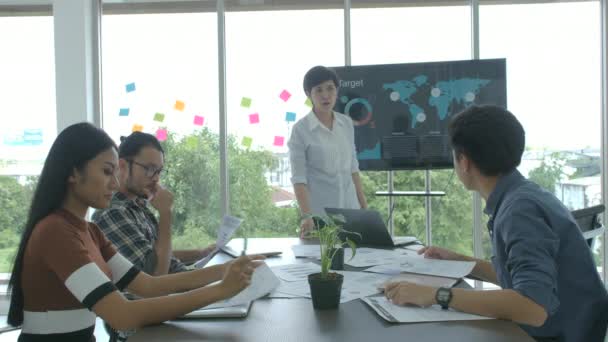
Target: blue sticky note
point(130, 87)
point(290, 116)
point(124, 112)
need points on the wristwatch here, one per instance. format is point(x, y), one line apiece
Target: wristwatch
point(443, 296)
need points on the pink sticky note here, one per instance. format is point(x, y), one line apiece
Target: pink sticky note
point(278, 140)
point(199, 120)
point(161, 134)
point(254, 118)
point(285, 95)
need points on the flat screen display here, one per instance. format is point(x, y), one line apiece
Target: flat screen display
point(401, 111)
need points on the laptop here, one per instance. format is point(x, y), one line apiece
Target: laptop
point(370, 225)
point(213, 311)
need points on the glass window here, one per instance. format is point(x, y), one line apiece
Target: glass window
point(553, 68)
point(408, 35)
point(268, 53)
point(160, 76)
point(29, 125)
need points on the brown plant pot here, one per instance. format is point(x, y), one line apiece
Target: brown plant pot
point(325, 292)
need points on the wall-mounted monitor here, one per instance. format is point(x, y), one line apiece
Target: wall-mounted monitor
point(401, 111)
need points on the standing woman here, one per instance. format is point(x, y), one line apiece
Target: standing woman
point(324, 166)
point(66, 272)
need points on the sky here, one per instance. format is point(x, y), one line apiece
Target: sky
point(552, 52)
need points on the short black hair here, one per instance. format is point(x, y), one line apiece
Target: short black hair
point(318, 75)
point(490, 136)
point(131, 146)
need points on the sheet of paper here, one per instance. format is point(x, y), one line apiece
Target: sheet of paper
point(359, 285)
point(355, 285)
point(224, 233)
point(414, 247)
point(263, 282)
point(279, 294)
point(296, 272)
point(306, 251)
point(295, 288)
point(442, 268)
point(422, 279)
point(408, 314)
point(366, 257)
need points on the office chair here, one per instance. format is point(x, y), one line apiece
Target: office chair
point(588, 220)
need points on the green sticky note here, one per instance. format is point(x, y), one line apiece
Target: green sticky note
point(246, 102)
point(308, 103)
point(246, 142)
point(160, 117)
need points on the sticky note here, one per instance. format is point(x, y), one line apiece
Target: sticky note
point(130, 87)
point(123, 112)
point(199, 120)
point(278, 140)
point(285, 95)
point(246, 102)
point(161, 134)
point(290, 116)
point(179, 105)
point(308, 103)
point(160, 117)
point(137, 128)
point(246, 141)
point(254, 118)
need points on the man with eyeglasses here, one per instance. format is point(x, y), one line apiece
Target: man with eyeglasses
point(130, 224)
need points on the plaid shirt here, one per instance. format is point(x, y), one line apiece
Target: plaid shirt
point(133, 229)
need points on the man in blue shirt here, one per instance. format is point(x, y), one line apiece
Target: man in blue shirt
point(550, 285)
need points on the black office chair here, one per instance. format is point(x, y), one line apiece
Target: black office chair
point(588, 220)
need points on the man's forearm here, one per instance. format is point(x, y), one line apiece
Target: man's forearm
point(162, 247)
point(482, 270)
point(503, 304)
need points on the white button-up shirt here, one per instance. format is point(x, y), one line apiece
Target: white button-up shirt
point(325, 160)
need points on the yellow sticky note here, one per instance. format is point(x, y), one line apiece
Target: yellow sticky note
point(137, 128)
point(179, 105)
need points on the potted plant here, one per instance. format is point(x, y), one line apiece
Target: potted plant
point(326, 287)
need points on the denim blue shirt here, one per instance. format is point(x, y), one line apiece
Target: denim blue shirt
point(540, 252)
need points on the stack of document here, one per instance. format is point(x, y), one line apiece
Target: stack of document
point(263, 282)
point(364, 257)
point(410, 314)
point(294, 282)
point(419, 265)
point(224, 233)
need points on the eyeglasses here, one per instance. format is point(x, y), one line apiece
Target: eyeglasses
point(150, 171)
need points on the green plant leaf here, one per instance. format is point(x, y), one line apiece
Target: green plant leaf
point(353, 247)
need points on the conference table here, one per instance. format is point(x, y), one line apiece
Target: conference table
point(296, 320)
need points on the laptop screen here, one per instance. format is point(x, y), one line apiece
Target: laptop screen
point(366, 222)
